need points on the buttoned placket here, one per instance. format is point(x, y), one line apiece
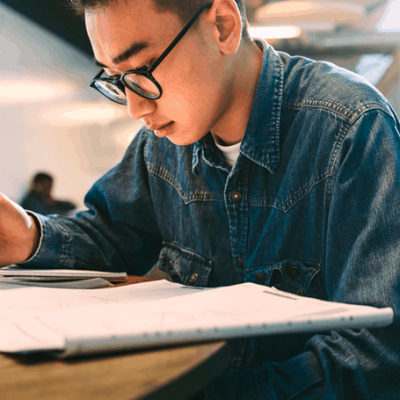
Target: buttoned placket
point(236, 195)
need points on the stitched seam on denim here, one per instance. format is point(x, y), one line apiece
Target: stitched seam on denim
point(329, 192)
point(344, 130)
point(65, 258)
point(145, 149)
point(343, 134)
point(309, 264)
point(320, 104)
point(307, 283)
point(277, 113)
point(189, 254)
point(205, 265)
point(296, 197)
point(336, 108)
point(372, 106)
point(269, 157)
point(315, 270)
point(186, 198)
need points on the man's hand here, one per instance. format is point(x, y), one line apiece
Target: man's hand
point(19, 236)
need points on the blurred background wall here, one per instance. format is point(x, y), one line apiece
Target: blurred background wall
point(49, 118)
point(52, 121)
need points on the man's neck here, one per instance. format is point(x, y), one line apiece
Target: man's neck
point(231, 127)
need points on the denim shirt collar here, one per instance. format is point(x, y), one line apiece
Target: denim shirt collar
point(261, 139)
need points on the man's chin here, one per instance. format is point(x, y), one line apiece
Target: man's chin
point(183, 140)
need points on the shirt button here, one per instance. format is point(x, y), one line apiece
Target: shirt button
point(236, 196)
point(193, 278)
point(299, 293)
point(239, 263)
point(169, 265)
point(260, 277)
point(294, 272)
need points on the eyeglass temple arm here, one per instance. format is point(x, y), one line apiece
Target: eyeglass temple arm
point(99, 74)
point(179, 37)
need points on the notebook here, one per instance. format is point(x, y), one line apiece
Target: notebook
point(60, 274)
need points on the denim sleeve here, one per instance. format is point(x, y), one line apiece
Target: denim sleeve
point(118, 231)
point(361, 266)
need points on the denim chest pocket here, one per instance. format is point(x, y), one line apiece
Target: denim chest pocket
point(184, 266)
point(293, 276)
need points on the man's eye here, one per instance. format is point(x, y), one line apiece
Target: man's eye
point(112, 76)
point(145, 67)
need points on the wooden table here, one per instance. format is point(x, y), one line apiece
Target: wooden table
point(169, 373)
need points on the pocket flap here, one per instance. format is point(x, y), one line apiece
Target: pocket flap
point(295, 276)
point(184, 266)
point(299, 273)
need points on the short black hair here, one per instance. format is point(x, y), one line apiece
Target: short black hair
point(184, 9)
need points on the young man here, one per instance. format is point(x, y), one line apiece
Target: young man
point(252, 166)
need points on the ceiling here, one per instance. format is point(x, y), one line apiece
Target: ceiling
point(55, 16)
point(347, 36)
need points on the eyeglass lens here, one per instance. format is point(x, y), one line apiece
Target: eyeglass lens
point(110, 90)
point(142, 85)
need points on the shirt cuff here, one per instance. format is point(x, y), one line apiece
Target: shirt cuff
point(39, 227)
point(54, 244)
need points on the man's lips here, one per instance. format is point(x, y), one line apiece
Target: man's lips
point(160, 127)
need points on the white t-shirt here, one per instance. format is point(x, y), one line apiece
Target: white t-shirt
point(230, 153)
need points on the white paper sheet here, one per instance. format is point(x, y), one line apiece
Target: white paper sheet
point(155, 313)
point(17, 299)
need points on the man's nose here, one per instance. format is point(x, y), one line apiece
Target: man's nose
point(138, 106)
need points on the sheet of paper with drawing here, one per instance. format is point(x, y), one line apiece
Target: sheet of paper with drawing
point(156, 313)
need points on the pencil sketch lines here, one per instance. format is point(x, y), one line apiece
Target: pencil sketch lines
point(105, 300)
point(28, 334)
point(55, 329)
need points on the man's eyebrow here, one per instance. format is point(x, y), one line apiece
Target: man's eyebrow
point(133, 50)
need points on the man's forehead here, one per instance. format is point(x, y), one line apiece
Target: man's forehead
point(134, 49)
point(121, 32)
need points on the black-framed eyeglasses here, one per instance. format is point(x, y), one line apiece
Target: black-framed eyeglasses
point(142, 83)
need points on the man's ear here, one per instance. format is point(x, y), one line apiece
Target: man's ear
point(228, 25)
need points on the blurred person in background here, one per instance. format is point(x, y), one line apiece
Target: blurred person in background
point(40, 199)
point(252, 166)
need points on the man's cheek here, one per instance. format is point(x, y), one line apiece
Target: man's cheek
point(175, 105)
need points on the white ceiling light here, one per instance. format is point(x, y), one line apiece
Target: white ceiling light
point(299, 11)
point(82, 113)
point(275, 32)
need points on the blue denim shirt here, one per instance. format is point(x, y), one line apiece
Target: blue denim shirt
point(312, 207)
